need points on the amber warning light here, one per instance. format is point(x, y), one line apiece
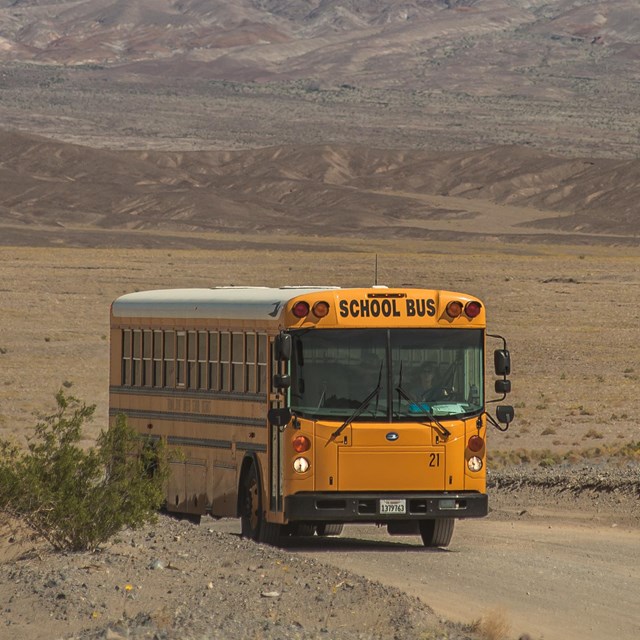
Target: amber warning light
point(454, 309)
point(320, 309)
point(301, 444)
point(475, 444)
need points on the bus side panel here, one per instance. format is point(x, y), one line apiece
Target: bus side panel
point(186, 487)
point(224, 488)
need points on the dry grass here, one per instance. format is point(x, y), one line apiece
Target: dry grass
point(55, 318)
point(494, 625)
point(614, 453)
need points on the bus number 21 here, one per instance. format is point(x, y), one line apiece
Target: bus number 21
point(434, 459)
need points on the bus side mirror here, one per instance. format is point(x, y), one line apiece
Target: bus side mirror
point(279, 417)
point(505, 413)
point(281, 380)
point(503, 386)
point(282, 346)
point(502, 362)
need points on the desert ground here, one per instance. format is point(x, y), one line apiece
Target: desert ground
point(483, 146)
point(564, 477)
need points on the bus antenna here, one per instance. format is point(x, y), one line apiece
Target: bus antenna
point(375, 277)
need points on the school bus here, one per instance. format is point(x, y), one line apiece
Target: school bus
point(300, 409)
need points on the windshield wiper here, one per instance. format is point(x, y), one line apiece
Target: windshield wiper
point(361, 409)
point(444, 432)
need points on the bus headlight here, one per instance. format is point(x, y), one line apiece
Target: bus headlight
point(474, 464)
point(301, 465)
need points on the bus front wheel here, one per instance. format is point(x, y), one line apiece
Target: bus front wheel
point(253, 523)
point(437, 532)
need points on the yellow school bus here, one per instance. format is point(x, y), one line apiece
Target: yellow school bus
point(300, 409)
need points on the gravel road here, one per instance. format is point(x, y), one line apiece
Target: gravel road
point(553, 560)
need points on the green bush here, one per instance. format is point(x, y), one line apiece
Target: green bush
point(75, 498)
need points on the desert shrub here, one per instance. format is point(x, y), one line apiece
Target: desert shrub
point(630, 451)
point(75, 498)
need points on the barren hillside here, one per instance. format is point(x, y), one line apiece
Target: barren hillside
point(50, 187)
point(434, 75)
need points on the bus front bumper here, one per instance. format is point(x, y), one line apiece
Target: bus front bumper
point(364, 507)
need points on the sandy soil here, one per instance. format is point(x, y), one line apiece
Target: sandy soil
point(575, 392)
point(575, 368)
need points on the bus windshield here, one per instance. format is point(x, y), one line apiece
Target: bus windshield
point(413, 374)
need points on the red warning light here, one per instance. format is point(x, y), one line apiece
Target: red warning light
point(472, 309)
point(300, 309)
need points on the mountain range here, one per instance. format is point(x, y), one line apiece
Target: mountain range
point(439, 118)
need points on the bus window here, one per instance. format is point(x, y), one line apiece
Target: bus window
point(181, 339)
point(136, 358)
point(214, 361)
point(250, 356)
point(262, 363)
point(147, 358)
point(333, 371)
point(237, 362)
point(202, 360)
point(438, 368)
point(157, 358)
point(225, 358)
point(169, 359)
point(126, 357)
point(192, 360)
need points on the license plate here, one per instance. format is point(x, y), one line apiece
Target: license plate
point(393, 506)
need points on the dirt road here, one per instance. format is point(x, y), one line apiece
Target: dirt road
point(554, 582)
point(551, 578)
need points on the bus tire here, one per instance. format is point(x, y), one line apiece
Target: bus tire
point(270, 533)
point(253, 524)
point(436, 532)
point(326, 529)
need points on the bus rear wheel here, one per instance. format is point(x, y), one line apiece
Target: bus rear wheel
point(325, 529)
point(437, 532)
point(253, 523)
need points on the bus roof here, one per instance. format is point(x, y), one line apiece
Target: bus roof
point(249, 303)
